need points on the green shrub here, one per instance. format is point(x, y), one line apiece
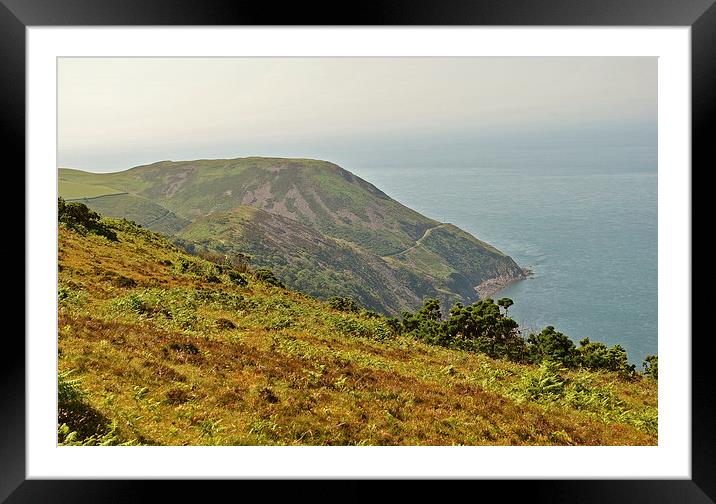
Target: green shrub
point(354, 327)
point(344, 304)
point(176, 306)
point(279, 321)
point(370, 313)
point(68, 390)
point(183, 265)
point(218, 299)
point(222, 323)
point(237, 278)
point(267, 276)
point(651, 366)
point(80, 218)
point(552, 345)
point(596, 355)
point(394, 325)
point(63, 292)
point(646, 420)
point(73, 410)
point(584, 395)
point(545, 383)
point(430, 310)
point(66, 437)
point(197, 268)
point(134, 302)
point(68, 294)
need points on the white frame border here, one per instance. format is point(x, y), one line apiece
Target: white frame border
point(670, 459)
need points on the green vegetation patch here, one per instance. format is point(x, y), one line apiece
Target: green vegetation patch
point(77, 190)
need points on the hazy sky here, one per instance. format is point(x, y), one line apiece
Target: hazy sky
point(115, 113)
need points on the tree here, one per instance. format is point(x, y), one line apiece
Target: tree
point(430, 310)
point(596, 355)
point(651, 366)
point(505, 303)
point(395, 326)
point(552, 345)
point(80, 218)
point(410, 321)
point(267, 276)
point(482, 327)
point(592, 354)
point(345, 304)
point(428, 323)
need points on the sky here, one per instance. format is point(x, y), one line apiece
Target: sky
point(116, 113)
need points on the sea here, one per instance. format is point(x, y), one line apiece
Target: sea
point(585, 225)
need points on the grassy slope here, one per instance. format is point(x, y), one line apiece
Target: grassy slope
point(84, 187)
point(447, 264)
point(309, 261)
point(454, 256)
point(77, 190)
point(148, 336)
point(137, 209)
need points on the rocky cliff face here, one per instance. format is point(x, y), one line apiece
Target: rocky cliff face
point(494, 285)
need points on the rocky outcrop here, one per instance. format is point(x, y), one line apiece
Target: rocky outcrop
point(494, 285)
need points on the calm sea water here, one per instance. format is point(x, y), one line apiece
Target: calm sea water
point(589, 234)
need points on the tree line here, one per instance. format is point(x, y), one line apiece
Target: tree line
point(485, 327)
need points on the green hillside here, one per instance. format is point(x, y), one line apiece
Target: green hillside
point(307, 260)
point(77, 190)
point(159, 347)
point(200, 201)
point(138, 209)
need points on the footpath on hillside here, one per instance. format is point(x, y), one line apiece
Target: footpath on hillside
point(418, 242)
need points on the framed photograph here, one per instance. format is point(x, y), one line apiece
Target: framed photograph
point(420, 242)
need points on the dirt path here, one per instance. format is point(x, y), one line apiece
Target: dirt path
point(96, 197)
point(153, 221)
point(418, 242)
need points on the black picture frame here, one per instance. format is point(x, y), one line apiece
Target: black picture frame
point(700, 15)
